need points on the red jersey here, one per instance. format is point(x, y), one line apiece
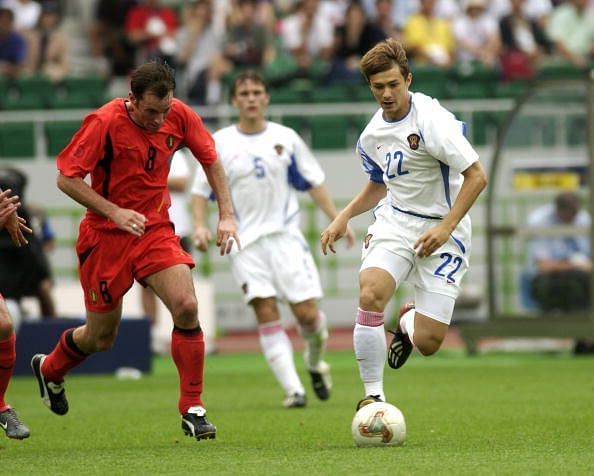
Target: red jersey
point(129, 165)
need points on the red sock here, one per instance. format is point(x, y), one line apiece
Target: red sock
point(187, 350)
point(7, 358)
point(65, 356)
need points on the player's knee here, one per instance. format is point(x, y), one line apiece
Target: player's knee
point(370, 299)
point(185, 311)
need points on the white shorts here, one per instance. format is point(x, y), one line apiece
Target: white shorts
point(277, 265)
point(389, 246)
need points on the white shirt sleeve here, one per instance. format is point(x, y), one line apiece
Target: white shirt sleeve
point(445, 140)
point(179, 165)
point(305, 171)
point(200, 185)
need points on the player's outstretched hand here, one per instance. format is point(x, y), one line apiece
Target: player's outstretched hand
point(431, 240)
point(8, 205)
point(17, 227)
point(227, 235)
point(202, 236)
point(130, 221)
point(334, 232)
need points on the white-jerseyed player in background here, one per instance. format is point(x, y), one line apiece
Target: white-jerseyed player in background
point(423, 178)
point(265, 163)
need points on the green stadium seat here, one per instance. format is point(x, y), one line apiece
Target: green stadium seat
point(473, 82)
point(28, 92)
point(560, 71)
point(430, 80)
point(298, 123)
point(58, 134)
point(576, 131)
point(17, 140)
point(288, 95)
point(332, 94)
point(85, 92)
point(329, 132)
point(511, 89)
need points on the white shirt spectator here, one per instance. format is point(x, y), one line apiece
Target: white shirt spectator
point(474, 31)
point(533, 9)
point(321, 34)
point(26, 13)
point(178, 211)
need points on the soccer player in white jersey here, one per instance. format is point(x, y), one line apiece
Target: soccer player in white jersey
point(423, 178)
point(265, 164)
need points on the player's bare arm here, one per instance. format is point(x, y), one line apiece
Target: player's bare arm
point(202, 234)
point(365, 200)
point(322, 199)
point(125, 219)
point(226, 229)
point(475, 180)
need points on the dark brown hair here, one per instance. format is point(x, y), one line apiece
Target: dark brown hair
point(384, 56)
point(154, 76)
point(247, 75)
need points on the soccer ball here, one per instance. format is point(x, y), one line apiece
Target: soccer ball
point(378, 424)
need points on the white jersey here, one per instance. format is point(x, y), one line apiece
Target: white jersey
point(419, 157)
point(263, 171)
point(178, 211)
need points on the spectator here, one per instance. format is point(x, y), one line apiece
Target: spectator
point(560, 268)
point(351, 42)
point(477, 35)
point(108, 41)
point(48, 45)
point(427, 38)
point(151, 28)
point(25, 271)
point(384, 20)
point(524, 43)
point(26, 13)
point(198, 44)
point(535, 10)
point(571, 27)
point(13, 46)
point(308, 35)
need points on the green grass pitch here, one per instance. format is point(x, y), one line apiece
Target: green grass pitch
point(508, 414)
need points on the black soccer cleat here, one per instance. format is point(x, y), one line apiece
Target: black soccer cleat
point(401, 347)
point(195, 424)
point(367, 400)
point(321, 381)
point(12, 426)
point(52, 394)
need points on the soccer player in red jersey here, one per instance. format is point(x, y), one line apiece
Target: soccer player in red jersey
point(126, 147)
point(15, 226)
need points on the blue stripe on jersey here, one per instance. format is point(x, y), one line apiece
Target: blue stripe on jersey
point(414, 214)
point(464, 129)
point(212, 197)
point(297, 180)
point(290, 217)
point(373, 170)
point(459, 243)
point(445, 175)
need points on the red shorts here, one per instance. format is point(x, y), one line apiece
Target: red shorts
point(110, 260)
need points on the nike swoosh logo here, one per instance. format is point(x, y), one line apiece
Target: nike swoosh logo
point(379, 146)
point(4, 425)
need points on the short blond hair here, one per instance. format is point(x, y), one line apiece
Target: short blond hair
point(384, 56)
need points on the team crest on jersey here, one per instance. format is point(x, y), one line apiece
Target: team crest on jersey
point(93, 296)
point(367, 240)
point(279, 149)
point(169, 141)
point(413, 141)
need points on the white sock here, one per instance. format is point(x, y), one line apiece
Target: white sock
point(315, 339)
point(278, 352)
point(407, 324)
point(369, 340)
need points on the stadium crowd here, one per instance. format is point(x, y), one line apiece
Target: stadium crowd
point(207, 40)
